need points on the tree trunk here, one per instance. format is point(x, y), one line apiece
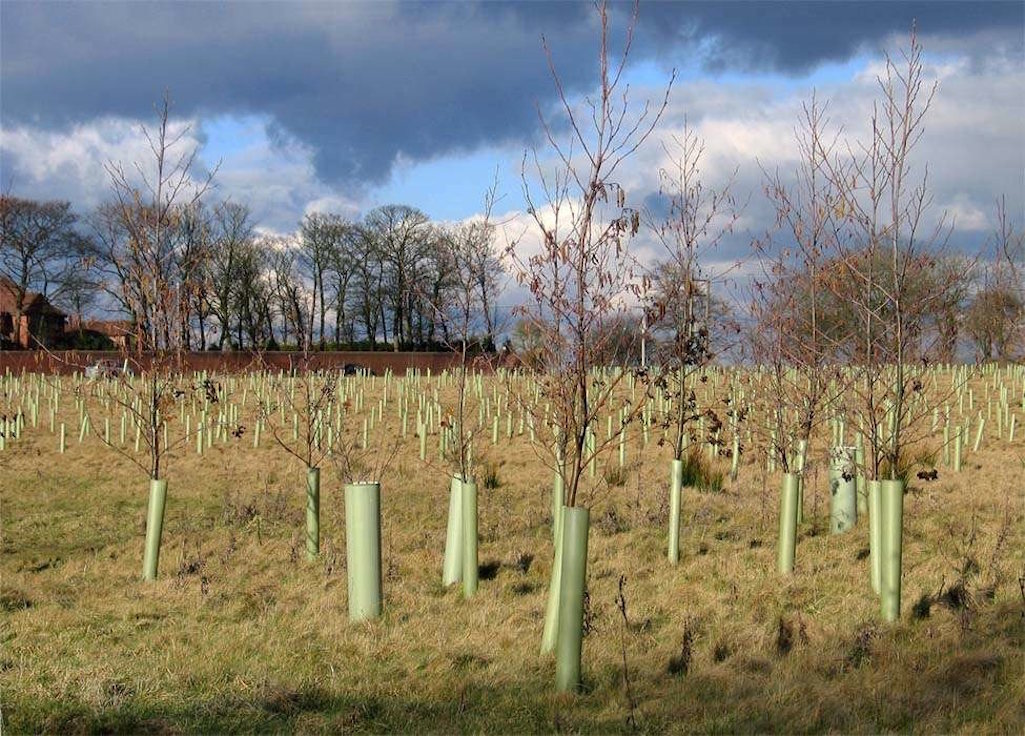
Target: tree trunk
point(323, 310)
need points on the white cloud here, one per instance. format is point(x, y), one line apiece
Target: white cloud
point(276, 179)
point(72, 164)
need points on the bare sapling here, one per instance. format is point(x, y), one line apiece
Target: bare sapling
point(302, 412)
point(891, 249)
point(790, 336)
point(681, 303)
point(581, 278)
point(311, 415)
point(464, 251)
point(155, 260)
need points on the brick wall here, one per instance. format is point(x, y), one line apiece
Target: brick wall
point(67, 362)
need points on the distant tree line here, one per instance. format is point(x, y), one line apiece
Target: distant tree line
point(336, 282)
point(197, 275)
point(373, 283)
point(187, 272)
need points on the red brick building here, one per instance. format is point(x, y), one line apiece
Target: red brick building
point(120, 332)
point(40, 322)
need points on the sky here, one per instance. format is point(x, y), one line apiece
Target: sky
point(341, 107)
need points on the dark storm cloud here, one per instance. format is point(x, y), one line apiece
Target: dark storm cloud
point(794, 37)
point(361, 84)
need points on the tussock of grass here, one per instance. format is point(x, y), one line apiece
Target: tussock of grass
point(611, 522)
point(701, 474)
point(615, 476)
point(489, 477)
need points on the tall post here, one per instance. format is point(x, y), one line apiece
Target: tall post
point(644, 340)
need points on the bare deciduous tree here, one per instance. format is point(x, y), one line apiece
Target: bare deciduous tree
point(477, 271)
point(996, 314)
point(681, 303)
point(582, 275)
point(36, 240)
point(321, 237)
point(889, 249)
point(148, 206)
point(295, 302)
point(401, 236)
point(226, 276)
point(788, 335)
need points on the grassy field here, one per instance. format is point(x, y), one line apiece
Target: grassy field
point(241, 633)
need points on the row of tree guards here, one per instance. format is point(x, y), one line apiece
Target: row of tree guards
point(985, 400)
point(851, 495)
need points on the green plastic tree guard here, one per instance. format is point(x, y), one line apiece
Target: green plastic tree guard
point(569, 641)
point(946, 443)
point(154, 528)
point(875, 534)
point(893, 537)
point(452, 567)
point(469, 527)
point(843, 501)
point(801, 459)
point(551, 625)
point(675, 492)
point(312, 513)
point(363, 549)
point(788, 507)
point(957, 451)
point(558, 493)
point(859, 471)
point(735, 458)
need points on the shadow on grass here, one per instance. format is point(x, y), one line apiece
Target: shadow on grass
point(956, 685)
point(279, 709)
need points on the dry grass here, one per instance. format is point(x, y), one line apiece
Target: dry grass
point(240, 633)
